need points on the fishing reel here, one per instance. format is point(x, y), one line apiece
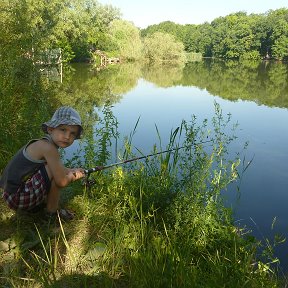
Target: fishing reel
point(87, 182)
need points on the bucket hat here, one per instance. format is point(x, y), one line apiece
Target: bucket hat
point(64, 116)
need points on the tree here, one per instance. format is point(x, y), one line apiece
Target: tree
point(85, 27)
point(233, 36)
point(280, 47)
point(161, 47)
point(278, 20)
point(169, 27)
point(198, 39)
point(191, 36)
point(127, 39)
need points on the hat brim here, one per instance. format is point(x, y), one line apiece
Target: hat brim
point(56, 123)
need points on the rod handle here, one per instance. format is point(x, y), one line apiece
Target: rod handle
point(97, 168)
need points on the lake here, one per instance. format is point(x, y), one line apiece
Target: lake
point(257, 98)
point(256, 94)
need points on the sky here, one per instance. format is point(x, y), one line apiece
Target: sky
point(148, 12)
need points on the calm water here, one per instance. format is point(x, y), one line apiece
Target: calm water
point(263, 191)
point(262, 119)
point(256, 95)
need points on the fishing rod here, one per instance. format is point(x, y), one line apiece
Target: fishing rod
point(100, 168)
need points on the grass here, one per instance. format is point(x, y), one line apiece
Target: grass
point(154, 223)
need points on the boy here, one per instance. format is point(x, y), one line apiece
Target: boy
point(35, 174)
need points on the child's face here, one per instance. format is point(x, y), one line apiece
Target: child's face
point(64, 135)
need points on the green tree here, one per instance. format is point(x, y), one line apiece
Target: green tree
point(85, 26)
point(76, 26)
point(169, 27)
point(280, 47)
point(233, 36)
point(198, 39)
point(161, 47)
point(127, 39)
point(262, 31)
point(278, 21)
point(190, 40)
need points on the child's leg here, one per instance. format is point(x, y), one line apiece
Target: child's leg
point(53, 196)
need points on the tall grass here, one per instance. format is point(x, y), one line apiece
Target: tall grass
point(155, 223)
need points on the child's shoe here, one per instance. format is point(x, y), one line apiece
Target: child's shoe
point(63, 214)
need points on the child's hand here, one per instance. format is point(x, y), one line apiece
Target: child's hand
point(77, 173)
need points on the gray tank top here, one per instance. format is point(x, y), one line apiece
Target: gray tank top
point(20, 168)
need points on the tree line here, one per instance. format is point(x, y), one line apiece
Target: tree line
point(80, 27)
point(236, 36)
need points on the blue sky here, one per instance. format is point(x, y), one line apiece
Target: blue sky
point(148, 12)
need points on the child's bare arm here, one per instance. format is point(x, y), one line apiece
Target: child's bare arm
point(62, 175)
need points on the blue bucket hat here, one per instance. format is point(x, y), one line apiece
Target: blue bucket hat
point(64, 116)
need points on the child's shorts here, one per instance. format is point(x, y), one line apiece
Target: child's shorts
point(32, 193)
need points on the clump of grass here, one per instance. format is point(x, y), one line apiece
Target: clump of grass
point(155, 223)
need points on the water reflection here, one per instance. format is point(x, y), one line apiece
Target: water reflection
point(28, 99)
point(163, 75)
point(264, 83)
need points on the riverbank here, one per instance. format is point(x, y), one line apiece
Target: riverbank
point(157, 223)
